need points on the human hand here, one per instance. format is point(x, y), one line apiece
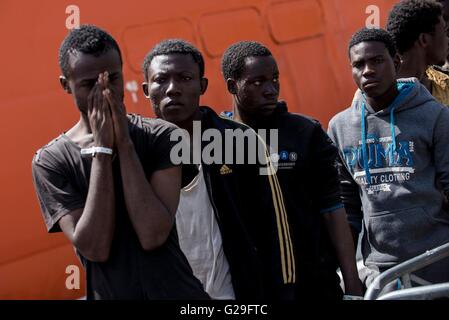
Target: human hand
point(354, 288)
point(118, 114)
point(99, 115)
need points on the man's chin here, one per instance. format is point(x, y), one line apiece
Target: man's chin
point(171, 118)
point(177, 118)
point(266, 113)
point(266, 110)
point(373, 93)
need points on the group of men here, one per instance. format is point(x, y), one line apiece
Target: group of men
point(145, 227)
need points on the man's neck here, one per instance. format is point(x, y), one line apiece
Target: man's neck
point(242, 117)
point(384, 101)
point(188, 123)
point(81, 132)
point(413, 64)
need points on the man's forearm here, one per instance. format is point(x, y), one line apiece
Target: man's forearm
point(95, 228)
point(341, 237)
point(151, 220)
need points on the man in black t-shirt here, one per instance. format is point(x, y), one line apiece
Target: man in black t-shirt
point(109, 185)
point(306, 173)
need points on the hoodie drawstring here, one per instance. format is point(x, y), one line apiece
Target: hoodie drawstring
point(404, 90)
point(364, 151)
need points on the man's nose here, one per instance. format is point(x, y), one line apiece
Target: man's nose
point(368, 69)
point(173, 88)
point(270, 90)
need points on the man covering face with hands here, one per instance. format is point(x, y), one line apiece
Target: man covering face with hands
point(109, 185)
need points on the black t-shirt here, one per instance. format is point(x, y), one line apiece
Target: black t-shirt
point(61, 178)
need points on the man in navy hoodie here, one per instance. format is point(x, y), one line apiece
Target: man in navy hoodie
point(394, 168)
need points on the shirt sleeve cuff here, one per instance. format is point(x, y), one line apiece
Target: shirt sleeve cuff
point(333, 208)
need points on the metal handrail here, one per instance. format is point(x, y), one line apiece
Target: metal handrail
point(434, 291)
point(404, 269)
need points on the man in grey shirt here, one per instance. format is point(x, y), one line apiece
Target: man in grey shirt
point(394, 167)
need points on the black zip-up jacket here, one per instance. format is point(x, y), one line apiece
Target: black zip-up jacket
point(310, 184)
point(251, 216)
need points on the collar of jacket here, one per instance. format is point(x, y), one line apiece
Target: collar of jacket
point(439, 78)
point(210, 119)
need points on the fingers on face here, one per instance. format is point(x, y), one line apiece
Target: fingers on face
point(112, 105)
point(96, 101)
point(97, 104)
point(103, 80)
point(102, 96)
point(108, 97)
point(91, 99)
point(105, 103)
point(106, 79)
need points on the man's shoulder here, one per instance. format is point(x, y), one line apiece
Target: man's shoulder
point(299, 121)
point(232, 124)
point(340, 118)
point(154, 126)
point(50, 153)
point(223, 121)
point(293, 119)
point(438, 77)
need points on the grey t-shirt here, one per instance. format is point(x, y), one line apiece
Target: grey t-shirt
point(200, 239)
point(61, 178)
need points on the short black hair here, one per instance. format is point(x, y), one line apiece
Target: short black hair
point(171, 46)
point(373, 34)
point(233, 60)
point(86, 39)
point(409, 18)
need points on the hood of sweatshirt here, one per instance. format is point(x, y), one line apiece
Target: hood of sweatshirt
point(411, 95)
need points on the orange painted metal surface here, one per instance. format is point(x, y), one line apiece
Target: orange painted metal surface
point(308, 38)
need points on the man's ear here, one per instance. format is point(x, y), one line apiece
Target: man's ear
point(145, 89)
point(65, 84)
point(204, 82)
point(397, 62)
point(423, 39)
point(231, 84)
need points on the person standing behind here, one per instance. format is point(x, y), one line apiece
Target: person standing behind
point(445, 67)
point(306, 173)
point(420, 33)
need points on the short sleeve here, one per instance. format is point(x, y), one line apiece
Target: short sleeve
point(163, 145)
point(57, 196)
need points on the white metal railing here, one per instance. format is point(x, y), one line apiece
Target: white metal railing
point(404, 271)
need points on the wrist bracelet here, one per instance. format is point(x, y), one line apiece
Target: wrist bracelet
point(94, 150)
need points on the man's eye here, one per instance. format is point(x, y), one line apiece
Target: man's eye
point(276, 80)
point(379, 60)
point(159, 80)
point(187, 78)
point(357, 65)
point(257, 83)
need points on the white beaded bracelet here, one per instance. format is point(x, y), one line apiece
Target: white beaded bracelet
point(94, 150)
